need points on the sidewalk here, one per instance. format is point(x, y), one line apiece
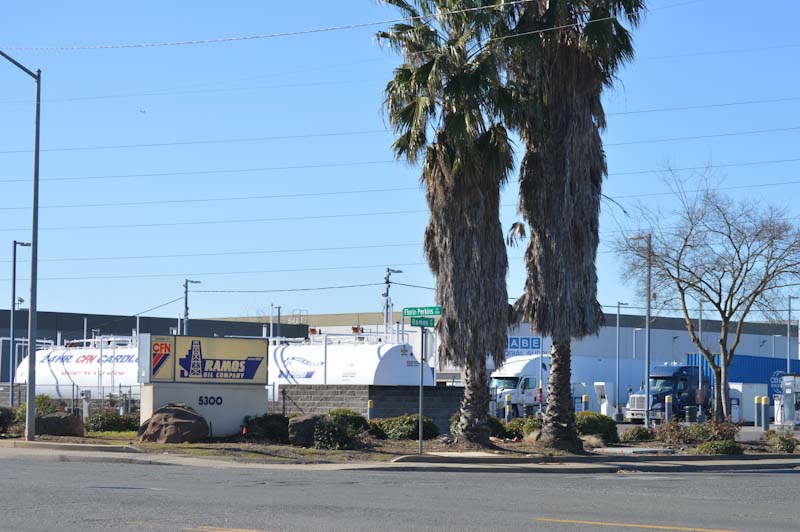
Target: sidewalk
point(476, 462)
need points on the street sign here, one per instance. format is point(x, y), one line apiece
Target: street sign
point(423, 322)
point(418, 312)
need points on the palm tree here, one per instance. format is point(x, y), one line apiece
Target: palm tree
point(557, 78)
point(446, 88)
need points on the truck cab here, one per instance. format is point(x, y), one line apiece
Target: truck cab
point(677, 381)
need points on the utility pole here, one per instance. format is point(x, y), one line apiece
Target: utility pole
point(12, 354)
point(30, 411)
point(618, 409)
point(279, 320)
point(387, 302)
point(789, 336)
point(700, 416)
point(186, 284)
point(648, 238)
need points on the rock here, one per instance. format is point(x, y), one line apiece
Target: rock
point(174, 424)
point(301, 429)
point(60, 424)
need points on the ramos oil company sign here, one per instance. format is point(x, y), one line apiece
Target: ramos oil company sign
point(190, 359)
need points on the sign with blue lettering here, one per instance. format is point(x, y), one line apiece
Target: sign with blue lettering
point(220, 360)
point(523, 345)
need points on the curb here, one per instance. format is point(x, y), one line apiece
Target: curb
point(88, 447)
point(533, 460)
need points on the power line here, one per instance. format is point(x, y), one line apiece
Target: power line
point(413, 286)
point(208, 274)
point(719, 52)
point(315, 289)
point(705, 106)
point(222, 199)
point(117, 320)
point(208, 172)
point(350, 163)
point(73, 48)
point(197, 142)
point(221, 253)
point(216, 222)
point(733, 187)
point(699, 137)
point(367, 132)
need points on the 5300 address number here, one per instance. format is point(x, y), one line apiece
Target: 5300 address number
point(209, 400)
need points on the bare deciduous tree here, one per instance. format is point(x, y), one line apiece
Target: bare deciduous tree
point(736, 256)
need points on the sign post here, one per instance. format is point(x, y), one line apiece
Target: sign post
point(421, 317)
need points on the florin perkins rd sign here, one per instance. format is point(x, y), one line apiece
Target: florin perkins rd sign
point(422, 312)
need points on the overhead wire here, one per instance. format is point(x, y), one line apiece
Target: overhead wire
point(328, 29)
point(278, 290)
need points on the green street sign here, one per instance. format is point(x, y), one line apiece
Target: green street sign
point(420, 312)
point(423, 322)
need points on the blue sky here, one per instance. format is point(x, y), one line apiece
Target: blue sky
point(688, 54)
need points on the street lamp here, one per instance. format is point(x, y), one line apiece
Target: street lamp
point(30, 411)
point(618, 412)
point(12, 355)
point(789, 335)
point(387, 302)
point(648, 238)
point(186, 284)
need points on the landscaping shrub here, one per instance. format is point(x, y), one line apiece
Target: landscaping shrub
point(376, 429)
point(271, 427)
point(44, 405)
point(331, 435)
point(724, 430)
point(589, 423)
point(406, 427)
point(497, 428)
point(111, 421)
point(719, 447)
point(6, 418)
point(634, 434)
point(782, 442)
point(350, 420)
point(522, 426)
point(671, 433)
point(699, 432)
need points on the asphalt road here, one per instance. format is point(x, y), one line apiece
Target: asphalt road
point(43, 495)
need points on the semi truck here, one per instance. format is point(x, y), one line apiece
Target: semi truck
point(680, 382)
point(525, 379)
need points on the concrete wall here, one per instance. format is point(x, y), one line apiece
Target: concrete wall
point(439, 403)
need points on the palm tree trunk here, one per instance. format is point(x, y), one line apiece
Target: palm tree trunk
point(472, 424)
point(558, 430)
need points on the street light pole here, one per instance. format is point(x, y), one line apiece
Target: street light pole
point(618, 410)
point(12, 311)
point(648, 238)
point(700, 415)
point(789, 336)
point(30, 411)
point(186, 284)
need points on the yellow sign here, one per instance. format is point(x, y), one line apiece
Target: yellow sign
point(221, 360)
point(162, 359)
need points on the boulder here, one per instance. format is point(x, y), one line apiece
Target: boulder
point(60, 424)
point(301, 429)
point(174, 424)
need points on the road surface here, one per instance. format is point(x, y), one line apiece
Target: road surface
point(42, 495)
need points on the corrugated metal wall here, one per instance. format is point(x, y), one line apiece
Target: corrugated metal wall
point(750, 369)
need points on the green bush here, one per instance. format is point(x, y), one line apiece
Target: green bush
point(497, 428)
point(592, 423)
point(671, 433)
point(698, 433)
point(331, 435)
point(522, 426)
point(111, 421)
point(270, 427)
point(724, 430)
point(634, 434)
point(376, 429)
point(406, 427)
point(719, 447)
point(350, 420)
point(6, 418)
point(44, 405)
point(782, 442)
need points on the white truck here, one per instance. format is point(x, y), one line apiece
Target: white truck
point(525, 380)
